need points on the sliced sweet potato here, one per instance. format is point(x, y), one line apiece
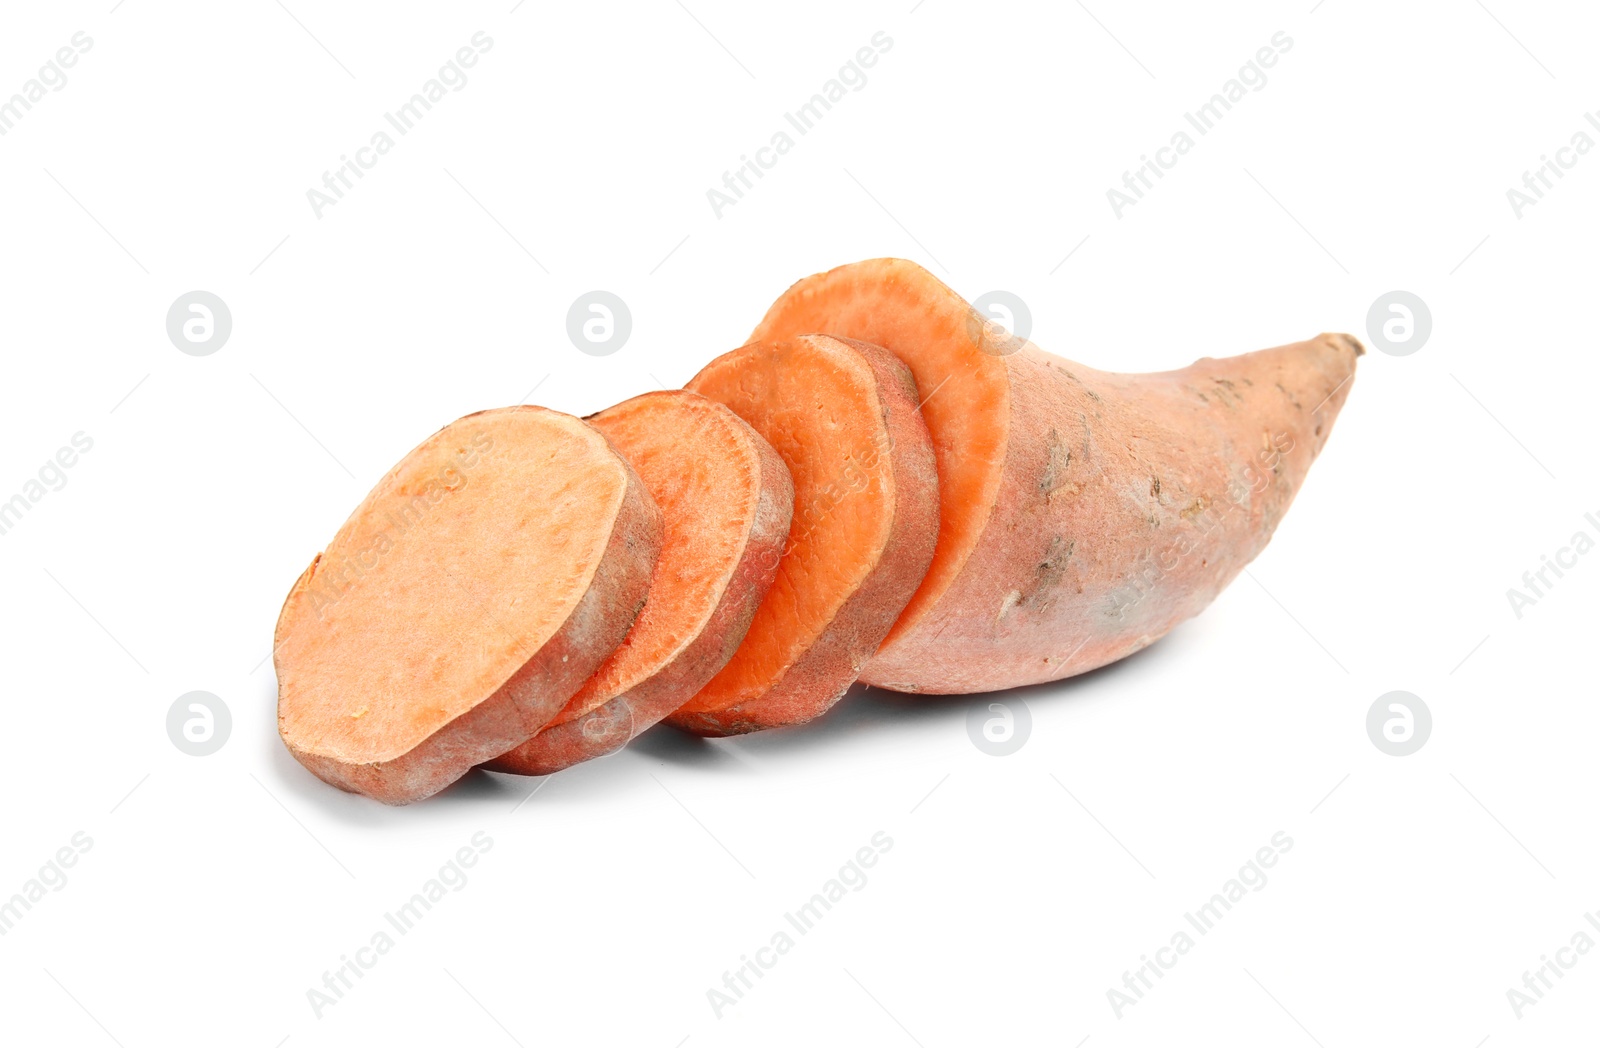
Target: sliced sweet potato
point(725, 499)
point(1082, 514)
point(843, 416)
point(466, 599)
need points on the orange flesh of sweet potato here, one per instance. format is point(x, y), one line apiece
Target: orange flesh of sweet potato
point(964, 394)
point(725, 499)
point(466, 599)
point(1083, 514)
point(843, 417)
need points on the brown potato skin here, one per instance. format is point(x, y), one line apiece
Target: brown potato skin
point(821, 676)
point(536, 692)
point(610, 727)
point(1126, 504)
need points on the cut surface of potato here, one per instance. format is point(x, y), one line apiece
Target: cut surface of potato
point(465, 600)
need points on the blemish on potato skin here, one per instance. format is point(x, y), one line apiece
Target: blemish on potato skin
point(1046, 580)
point(1054, 476)
point(1049, 573)
point(1227, 393)
point(1011, 600)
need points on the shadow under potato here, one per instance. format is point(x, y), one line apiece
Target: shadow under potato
point(862, 712)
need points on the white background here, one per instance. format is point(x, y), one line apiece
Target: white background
point(218, 890)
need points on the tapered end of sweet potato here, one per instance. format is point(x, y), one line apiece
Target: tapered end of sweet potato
point(1350, 342)
point(1126, 504)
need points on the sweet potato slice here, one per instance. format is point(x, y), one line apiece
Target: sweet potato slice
point(1082, 514)
point(843, 417)
point(725, 499)
point(466, 599)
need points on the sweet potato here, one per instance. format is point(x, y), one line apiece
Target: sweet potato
point(843, 417)
point(1082, 514)
point(466, 599)
point(725, 499)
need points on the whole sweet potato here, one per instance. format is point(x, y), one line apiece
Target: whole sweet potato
point(1083, 514)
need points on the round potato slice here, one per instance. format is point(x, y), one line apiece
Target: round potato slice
point(843, 417)
point(463, 603)
point(725, 499)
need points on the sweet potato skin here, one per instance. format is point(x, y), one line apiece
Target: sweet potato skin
point(1085, 513)
point(1126, 504)
point(822, 675)
point(533, 695)
point(611, 726)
